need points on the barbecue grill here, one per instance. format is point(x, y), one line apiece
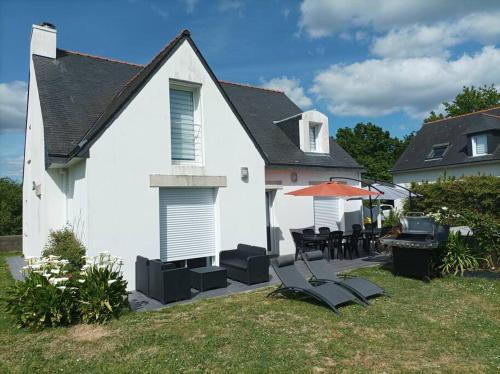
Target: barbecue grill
point(415, 248)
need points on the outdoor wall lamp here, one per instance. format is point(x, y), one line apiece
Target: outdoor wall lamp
point(294, 177)
point(244, 174)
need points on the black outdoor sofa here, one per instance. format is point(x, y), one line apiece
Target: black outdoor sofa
point(323, 272)
point(247, 264)
point(162, 281)
point(293, 282)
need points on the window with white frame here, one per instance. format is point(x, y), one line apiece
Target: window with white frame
point(479, 145)
point(313, 137)
point(185, 127)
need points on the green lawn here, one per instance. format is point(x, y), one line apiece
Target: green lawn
point(450, 325)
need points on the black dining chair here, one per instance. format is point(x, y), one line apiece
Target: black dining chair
point(351, 245)
point(335, 244)
point(308, 233)
point(300, 245)
point(324, 231)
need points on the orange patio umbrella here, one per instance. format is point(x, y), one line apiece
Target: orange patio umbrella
point(333, 189)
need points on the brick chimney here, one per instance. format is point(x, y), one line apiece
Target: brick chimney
point(43, 40)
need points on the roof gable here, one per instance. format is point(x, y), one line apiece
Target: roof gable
point(81, 94)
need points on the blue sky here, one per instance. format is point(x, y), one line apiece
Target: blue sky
point(385, 61)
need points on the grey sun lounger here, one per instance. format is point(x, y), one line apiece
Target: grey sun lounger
point(292, 281)
point(323, 272)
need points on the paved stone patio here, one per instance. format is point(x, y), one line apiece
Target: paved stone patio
point(140, 302)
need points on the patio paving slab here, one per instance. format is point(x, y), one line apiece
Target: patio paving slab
point(140, 302)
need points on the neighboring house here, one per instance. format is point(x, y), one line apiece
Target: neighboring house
point(458, 146)
point(165, 161)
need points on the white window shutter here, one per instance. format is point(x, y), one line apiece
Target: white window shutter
point(182, 124)
point(327, 213)
point(187, 223)
point(312, 138)
point(481, 145)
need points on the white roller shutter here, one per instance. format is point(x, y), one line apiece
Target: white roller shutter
point(182, 123)
point(187, 223)
point(327, 213)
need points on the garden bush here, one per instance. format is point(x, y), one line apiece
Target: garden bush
point(103, 290)
point(65, 244)
point(457, 256)
point(46, 298)
point(52, 296)
point(479, 194)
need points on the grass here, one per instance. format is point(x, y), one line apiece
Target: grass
point(450, 325)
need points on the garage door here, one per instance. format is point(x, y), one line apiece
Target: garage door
point(187, 223)
point(327, 213)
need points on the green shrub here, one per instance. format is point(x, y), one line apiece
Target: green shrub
point(46, 298)
point(486, 236)
point(457, 256)
point(52, 296)
point(65, 244)
point(393, 219)
point(103, 291)
point(475, 193)
point(11, 207)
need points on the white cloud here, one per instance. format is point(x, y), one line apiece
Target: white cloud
point(292, 88)
point(230, 5)
point(379, 87)
point(190, 5)
point(422, 40)
point(13, 105)
point(321, 18)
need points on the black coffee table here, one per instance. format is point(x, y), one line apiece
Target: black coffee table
point(208, 277)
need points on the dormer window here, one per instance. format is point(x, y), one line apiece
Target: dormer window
point(437, 151)
point(185, 127)
point(479, 145)
point(313, 137)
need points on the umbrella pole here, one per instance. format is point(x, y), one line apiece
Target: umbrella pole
point(371, 219)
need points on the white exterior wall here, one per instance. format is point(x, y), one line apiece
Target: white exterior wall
point(123, 210)
point(296, 213)
point(419, 176)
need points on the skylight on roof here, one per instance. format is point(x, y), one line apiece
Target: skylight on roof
point(437, 151)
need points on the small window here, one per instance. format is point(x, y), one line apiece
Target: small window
point(313, 137)
point(437, 151)
point(479, 145)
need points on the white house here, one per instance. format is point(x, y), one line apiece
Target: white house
point(457, 146)
point(166, 161)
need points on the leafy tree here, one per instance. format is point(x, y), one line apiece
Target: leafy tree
point(11, 207)
point(373, 148)
point(471, 99)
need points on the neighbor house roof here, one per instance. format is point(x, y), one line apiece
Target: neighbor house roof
point(80, 94)
point(455, 132)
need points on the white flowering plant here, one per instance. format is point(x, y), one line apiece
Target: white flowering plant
point(53, 294)
point(103, 291)
point(47, 296)
point(444, 216)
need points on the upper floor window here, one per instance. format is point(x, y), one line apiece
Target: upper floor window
point(479, 145)
point(437, 151)
point(185, 130)
point(313, 138)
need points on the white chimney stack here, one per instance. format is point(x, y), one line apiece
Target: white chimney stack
point(43, 40)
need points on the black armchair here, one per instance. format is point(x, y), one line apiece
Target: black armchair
point(247, 264)
point(142, 275)
point(168, 283)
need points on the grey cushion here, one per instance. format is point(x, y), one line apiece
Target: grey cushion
point(313, 255)
point(287, 260)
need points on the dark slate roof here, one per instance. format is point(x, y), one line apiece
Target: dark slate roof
point(74, 90)
point(80, 94)
point(259, 108)
point(455, 131)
